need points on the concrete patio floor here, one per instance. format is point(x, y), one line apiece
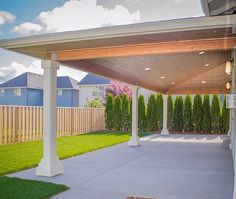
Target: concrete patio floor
point(170, 167)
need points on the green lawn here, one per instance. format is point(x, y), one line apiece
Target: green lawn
point(15, 157)
point(15, 188)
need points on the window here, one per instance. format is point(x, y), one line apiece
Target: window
point(101, 88)
point(2, 92)
point(17, 92)
point(59, 92)
point(95, 93)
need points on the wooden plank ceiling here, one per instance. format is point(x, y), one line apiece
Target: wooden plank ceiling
point(178, 73)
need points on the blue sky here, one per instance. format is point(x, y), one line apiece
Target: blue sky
point(29, 17)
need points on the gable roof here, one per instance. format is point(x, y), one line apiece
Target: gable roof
point(35, 81)
point(93, 79)
point(66, 82)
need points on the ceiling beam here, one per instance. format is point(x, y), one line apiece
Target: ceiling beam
point(111, 74)
point(147, 49)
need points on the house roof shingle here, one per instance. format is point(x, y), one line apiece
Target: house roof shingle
point(93, 79)
point(35, 81)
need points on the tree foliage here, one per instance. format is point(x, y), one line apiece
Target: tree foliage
point(170, 113)
point(206, 115)
point(178, 114)
point(141, 113)
point(109, 112)
point(197, 113)
point(95, 103)
point(119, 88)
point(125, 112)
point(215, 114)
point(151, 113)
point(225, 117)
point(188, 123)
point(159, 116)
point(118, 113)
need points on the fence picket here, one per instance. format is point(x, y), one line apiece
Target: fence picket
point(21, 123)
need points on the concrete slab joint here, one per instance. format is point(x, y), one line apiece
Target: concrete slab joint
point(49, 165)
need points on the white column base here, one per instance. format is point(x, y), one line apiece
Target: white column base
point(165, 131)
point(49, 168)
point(134, 142)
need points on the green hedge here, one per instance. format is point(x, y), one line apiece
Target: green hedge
point(200, 116)
point(142, 114)
point(178, 114)
point(215, 115)
point(197, 113)
point(125, 113)
point(118, 113)
point(170, 113)
point(109, 112)
point(188, 123)
point(159, 116)
point(151, 113)
point(206, 117)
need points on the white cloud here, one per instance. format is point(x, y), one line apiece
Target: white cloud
point(9, 72)
point(6, 17)
point(83, 14)
point(16, 69)
point(27, 28)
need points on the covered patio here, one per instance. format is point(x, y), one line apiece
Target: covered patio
point(184, 56)
point(170, 167)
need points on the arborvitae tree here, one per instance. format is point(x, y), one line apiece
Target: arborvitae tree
point(178, 114)
point(118, 113)
point(206, 115)
point(170, 113)
point(225, 117)
point(125, 112)
point(141, 113)
point(215, 115)
point(151, 113)
point(188, 123)
point(109, 112)
point(197, 113)
point(159, 104)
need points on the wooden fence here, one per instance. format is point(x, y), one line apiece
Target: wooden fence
point(25, 123)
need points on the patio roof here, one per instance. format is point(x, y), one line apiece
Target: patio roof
point(160, 56)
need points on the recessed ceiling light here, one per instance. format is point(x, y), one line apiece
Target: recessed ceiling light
point(163, 77)
point(201, 53)
point(173, 83)
point(207, 65)
point(146, 69)
point(203, 82)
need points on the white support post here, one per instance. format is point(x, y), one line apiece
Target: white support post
point(49, 165)
point(134, 141)
point(165, 130)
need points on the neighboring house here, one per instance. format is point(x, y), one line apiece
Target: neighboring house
point(27, 90)
point(92, 86)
